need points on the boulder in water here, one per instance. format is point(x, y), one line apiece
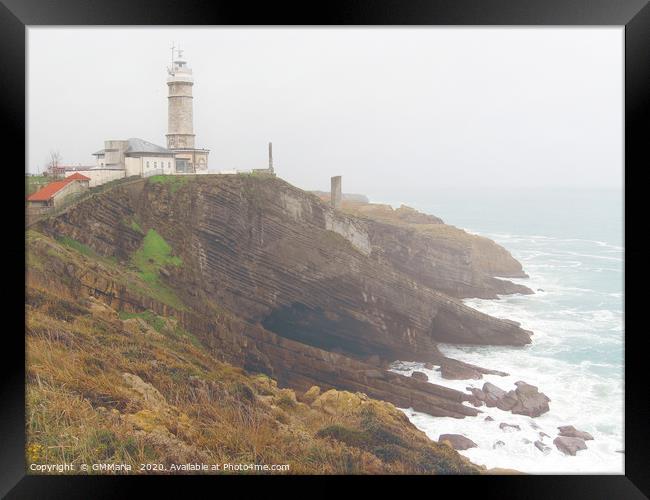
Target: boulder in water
point(457, 441)
point(492, 394)
point(569, 445)
point(457, 371)
point(570, 431)
point(533, 403)
point(477, 393)
point(509, 427)
point(421, 376)
point(524, 400)
point(542, 447)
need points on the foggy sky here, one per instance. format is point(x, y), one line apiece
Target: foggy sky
point(392, 110)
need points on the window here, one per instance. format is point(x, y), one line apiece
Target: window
point(147, 164)
point(155, 164)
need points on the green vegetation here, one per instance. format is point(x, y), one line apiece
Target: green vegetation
point(84, 249)
point(106, 384)
point(78, 246)
point(133, 224)
point(157, 322)
point(174, 181)
point(150, 259)
point(35, 182)
point(164, 326)
point(154, 254)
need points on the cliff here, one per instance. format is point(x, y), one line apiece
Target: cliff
point(120, 388)
point(269, 278)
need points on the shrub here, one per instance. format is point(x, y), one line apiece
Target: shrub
point(286, 399)
point(351, 437)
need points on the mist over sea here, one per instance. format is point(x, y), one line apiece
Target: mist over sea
point(570, 243)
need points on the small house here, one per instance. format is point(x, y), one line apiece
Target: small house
point(56, 193)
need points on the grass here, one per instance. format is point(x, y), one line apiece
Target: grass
point(133, 224)
point(178, 403)
point(167, 327)
point(43, 249)
point(153, 255)
point(189, 407)
point(150, 259)
point(35, 182)
point(175, 182)
point(78, 246)
point(85, 249)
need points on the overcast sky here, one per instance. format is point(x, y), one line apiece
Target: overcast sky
point(389, 109)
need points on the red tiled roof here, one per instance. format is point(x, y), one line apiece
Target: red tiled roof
point(52, 188)
point(48, 191)
point(77, 177)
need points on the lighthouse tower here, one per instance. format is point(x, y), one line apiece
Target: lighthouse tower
point(180, 119)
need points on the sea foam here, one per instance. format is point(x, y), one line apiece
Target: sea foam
point(576, 359)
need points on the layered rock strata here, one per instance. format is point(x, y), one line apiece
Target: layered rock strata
point(309, 295)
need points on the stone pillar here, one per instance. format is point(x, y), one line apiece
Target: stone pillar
point(271, 157)
point(180, 120)
point(335, 195)
point(180, 124)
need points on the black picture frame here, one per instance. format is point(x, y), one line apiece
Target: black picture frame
point(16, 15)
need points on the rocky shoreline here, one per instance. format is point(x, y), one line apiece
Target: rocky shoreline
point(277, 282)
point(525, 399)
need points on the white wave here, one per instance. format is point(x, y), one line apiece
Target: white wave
point(577, 330)
point(576, 399)
point(590, 256)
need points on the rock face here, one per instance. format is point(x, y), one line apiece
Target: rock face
point(420, 376)
point(457, 371)
point(477, 393)
point(492, 394)
point(445, 258)
point(570, 431)
point(569, 445)
point(529, 401)
point(457, 441)
point(308, 294)
point(524, 400)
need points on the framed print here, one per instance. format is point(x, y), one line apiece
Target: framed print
point(387, 240)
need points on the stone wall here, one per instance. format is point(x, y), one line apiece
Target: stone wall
point(100, 176)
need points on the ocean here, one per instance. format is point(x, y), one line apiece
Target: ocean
point(570, 243)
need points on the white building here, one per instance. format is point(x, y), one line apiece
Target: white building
point(125, 158)
point(136, 157)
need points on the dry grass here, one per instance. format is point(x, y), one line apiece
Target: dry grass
point(177, 404)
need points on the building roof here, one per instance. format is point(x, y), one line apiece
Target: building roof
point(46, 193)
point(137, 145)
point(77, 177)
point(72, 168)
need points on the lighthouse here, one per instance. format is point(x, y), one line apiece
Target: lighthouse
point(180, 118)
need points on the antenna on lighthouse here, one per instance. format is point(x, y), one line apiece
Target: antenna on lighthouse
point(173, 47)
